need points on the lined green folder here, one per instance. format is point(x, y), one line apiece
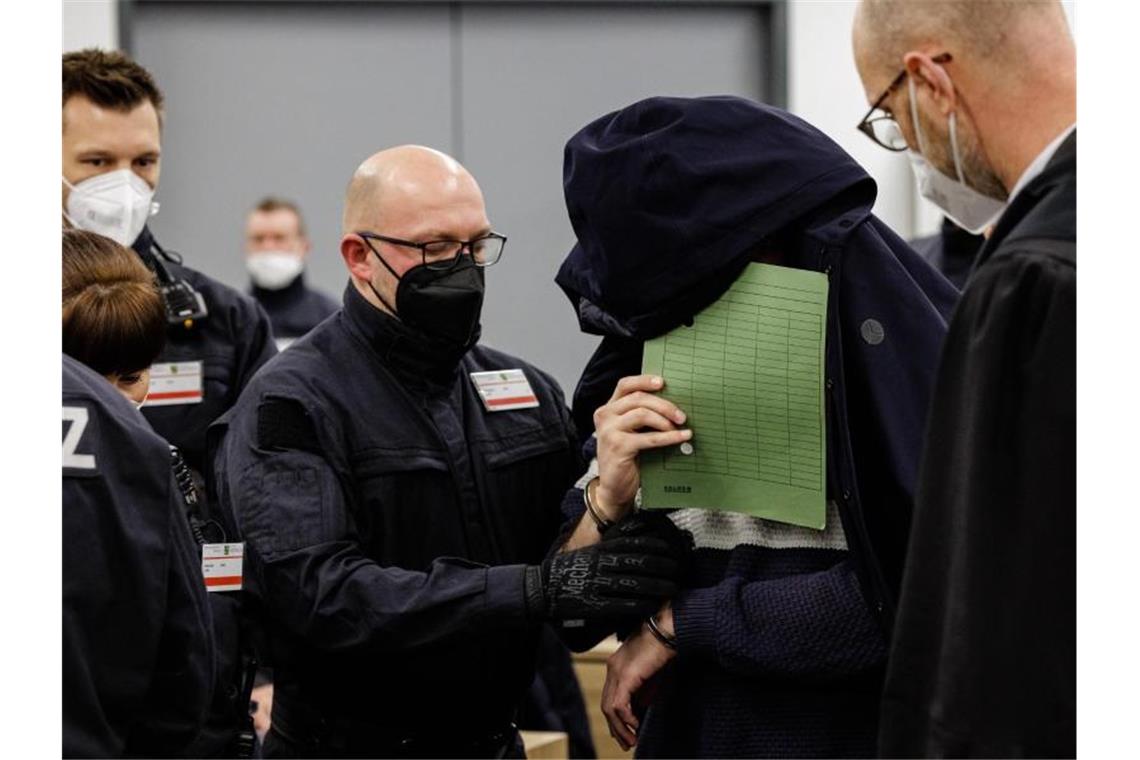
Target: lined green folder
point(749, 375)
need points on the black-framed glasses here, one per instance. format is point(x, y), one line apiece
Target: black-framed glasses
point(442, 255)
point(884, 129)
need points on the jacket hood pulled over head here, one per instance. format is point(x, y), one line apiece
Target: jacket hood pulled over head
point(669, 197)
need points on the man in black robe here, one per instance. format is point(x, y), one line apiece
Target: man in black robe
point(983, 659)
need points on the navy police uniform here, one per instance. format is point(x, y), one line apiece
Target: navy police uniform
point(388, 518)
point(231, 342)
point(138, 658)
point(294, 309)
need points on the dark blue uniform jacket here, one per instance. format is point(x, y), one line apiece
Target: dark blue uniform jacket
point(294, 309)
point(232, 343)
point(138, 658)
point(388, 518)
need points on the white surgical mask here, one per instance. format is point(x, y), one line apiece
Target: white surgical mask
point(273, 270)
point(966, 207)
point(115, 205)
point(140, 404)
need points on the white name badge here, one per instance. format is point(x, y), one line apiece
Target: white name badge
point(221, 566)
point(504, 390)
point(175, 383)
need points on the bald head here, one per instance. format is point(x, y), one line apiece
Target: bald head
point(991, 32)
point(409, 179)
point(1006, 72)
point(409, 193)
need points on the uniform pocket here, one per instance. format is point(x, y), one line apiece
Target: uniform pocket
point(284, 506)
point(407, 513)
point(526, 478)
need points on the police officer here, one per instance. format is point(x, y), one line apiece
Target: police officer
point(138, 657)
point(112, 145)
point(276, 246)
point(112, 118)
point(398, 487)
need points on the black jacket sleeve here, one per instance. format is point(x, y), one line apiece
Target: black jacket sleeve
point(253, 340)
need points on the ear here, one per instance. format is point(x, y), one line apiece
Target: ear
point(357, 256)
point(306, 246)
point(926, 73)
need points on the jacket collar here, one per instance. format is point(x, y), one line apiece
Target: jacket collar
point(1061, 170)
point(417, 361)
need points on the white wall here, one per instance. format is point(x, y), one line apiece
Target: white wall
point(824, 88)
point(90, 23)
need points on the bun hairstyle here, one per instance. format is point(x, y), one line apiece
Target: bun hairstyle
point(114, 320)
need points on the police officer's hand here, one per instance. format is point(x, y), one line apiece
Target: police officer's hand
point(656, 524)
point(621, 576)
point(633, 420)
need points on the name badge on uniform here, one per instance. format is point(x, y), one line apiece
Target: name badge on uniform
point(221, 566)
point(175, 383)
point(503, 390)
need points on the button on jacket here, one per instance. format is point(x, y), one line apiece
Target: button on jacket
point(388, 518)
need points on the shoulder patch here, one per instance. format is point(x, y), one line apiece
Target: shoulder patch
point(283, 423)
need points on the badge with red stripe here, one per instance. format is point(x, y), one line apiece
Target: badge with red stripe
point(504, 389)
point(175, 383)
point(221, 566)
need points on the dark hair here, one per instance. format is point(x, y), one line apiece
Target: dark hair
point(114, 320)
point(272, 203)
point(109, 79)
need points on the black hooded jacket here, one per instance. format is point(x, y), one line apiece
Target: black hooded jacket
point(782, 633)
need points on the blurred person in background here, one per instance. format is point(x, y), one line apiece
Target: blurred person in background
point(982, 97)
point(216, 337)
point(138, 652)
point(276, 246)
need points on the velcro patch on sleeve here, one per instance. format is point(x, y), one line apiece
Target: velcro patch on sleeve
point(284, 424)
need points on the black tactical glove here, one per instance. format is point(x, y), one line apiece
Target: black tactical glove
point(655, 523)
point(627, 574)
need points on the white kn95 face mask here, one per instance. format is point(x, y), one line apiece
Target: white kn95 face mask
point(116, 204)
point(273, 270)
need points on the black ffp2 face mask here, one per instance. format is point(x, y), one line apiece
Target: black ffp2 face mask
point(443, 305)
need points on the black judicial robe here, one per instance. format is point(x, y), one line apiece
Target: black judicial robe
point(983, 661)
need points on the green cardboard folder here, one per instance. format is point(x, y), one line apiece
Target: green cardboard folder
point(749, 375)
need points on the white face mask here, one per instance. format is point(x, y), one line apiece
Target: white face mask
point(115, 205)
point(966, 207)
point(273, 270)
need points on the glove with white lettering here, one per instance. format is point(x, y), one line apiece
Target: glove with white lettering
point(625, 576)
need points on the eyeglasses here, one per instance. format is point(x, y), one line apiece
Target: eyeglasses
point(883, 129)
point(441, 255)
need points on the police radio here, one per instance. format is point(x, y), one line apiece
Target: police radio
point(185, 306)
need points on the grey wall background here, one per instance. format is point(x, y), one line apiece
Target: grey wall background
point(288, 98)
